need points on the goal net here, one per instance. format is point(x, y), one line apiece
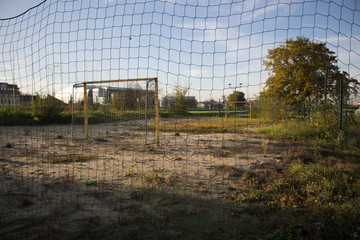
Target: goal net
point(127, 107)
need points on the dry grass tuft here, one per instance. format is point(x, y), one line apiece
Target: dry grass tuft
point(219, 152)
point(71, 158)
point(229, 171)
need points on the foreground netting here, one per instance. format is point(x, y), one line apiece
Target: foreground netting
point(124, 119)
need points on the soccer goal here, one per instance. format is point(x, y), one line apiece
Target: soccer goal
point(131, 105)
point(241, 108)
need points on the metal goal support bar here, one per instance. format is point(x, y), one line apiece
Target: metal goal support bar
point(86, 128)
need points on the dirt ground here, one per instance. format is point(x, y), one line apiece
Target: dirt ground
point(53, 174)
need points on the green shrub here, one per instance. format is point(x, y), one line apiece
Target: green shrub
point(14, 116)
point(272, 109)
point(325, 120)
point(47, 109)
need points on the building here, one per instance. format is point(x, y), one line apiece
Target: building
point(9, 94)
point(122, 98)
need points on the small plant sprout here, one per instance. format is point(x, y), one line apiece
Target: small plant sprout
point(89, 183)
point(316, 154)
point(264, 145)
point(8, 145)
point(223, 145)
point(225, 153)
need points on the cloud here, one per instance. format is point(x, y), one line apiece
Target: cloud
point(197, 72)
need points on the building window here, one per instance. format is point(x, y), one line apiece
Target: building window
point(101, 92)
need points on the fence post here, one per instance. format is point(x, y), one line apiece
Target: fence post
point(146, 111)
point(86, 113)
point(72, 113)
point(250, 108)
point(219, 108)
point(341, 105)
point(157, 112)
point(226, 111)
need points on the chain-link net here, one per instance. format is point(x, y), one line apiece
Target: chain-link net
point(61, 179)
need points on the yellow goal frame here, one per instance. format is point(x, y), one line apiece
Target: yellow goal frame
point(86, 125)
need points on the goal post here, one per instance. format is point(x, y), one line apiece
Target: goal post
point(235, 102)
point(156, 102)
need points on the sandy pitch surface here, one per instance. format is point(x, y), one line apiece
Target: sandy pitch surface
point(52, 165)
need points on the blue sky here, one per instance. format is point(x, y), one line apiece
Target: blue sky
point(207, 47)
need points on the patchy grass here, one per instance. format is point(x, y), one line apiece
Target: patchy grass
point(293, 131)
point(305, 130)
point(219, 152)
point(311, 196)
point(313, 193)
point(207, 124)
point(90, 182)
point(100, 139)
point(72, 158)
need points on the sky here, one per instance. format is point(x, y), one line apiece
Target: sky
point(209, 47)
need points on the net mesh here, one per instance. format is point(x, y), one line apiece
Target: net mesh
point(55, 180)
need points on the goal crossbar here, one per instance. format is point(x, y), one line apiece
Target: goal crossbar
point(84, 84)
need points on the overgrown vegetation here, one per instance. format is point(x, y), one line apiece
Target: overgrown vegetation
point(29, 116)
point(15, 116)
point(196, 124)
point(318, 129)
point(315, 194)
point(178, 103)
point(46, 108)
point(303, 94)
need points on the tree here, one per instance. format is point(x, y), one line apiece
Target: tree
point(181, 104)
point(191, 102)
point(305, 72)
point(168, 102)
point(238, 97)
point(176, 101)
point(118, 100)
point(211, 104)
point(47, 108)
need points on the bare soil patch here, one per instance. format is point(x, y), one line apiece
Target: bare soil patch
point(53, 177)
